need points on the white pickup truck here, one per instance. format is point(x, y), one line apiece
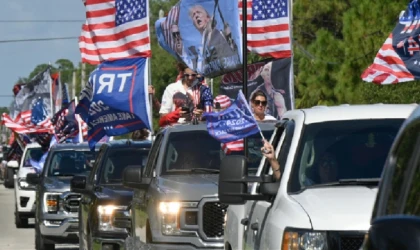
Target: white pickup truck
point(331, 159)
point(24, 192)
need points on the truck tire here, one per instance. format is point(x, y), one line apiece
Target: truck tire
point(19, 221)
point(39, 241)
point(9, 182)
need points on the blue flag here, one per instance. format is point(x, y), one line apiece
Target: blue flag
point(39, 113)
point(204, 34)
point(115, 99)
point(234, 123)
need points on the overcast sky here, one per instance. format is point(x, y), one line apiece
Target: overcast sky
point(20, 58)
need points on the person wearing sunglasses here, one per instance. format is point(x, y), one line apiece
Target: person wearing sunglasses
point(259, 106)
point(198, 98)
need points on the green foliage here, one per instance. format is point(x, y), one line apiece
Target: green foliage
point(335, 41)
point(4, 110)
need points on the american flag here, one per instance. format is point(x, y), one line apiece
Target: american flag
point(22, 124)
point(233, 146)
point(39, 116)
point(172, 18)
point(388, 67)
point(115, 29)
point(66, 123)
point(268, 27)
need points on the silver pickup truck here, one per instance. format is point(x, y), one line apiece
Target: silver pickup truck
point(56, 216)
point(175, 203)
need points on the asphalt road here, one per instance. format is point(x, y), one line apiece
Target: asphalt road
point(12, 238)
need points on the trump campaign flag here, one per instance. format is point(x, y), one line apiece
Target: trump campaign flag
point(204, 34)
point(115, 99)
point(398, 60)
point(234, 123)
point(115, 29)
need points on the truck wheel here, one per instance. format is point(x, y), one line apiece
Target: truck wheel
point(39, 241)
point(149, 238)
point(8, 182)
point(19, 221)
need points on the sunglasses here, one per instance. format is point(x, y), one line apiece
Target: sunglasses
point(188, 75)
point(176, 35)
point(258, 103)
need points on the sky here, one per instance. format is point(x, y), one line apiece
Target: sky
point(20, 58)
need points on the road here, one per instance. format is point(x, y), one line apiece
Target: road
point(12, 238)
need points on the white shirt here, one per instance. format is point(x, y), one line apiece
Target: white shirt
point(269, 118)
point(167, 104)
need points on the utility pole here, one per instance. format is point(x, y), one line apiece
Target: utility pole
point(73, 85)
point(83, 80)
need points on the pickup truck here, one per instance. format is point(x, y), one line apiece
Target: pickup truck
point(24, 192)
point(331, 160)
point(56, 215)
point(175, 203)
point(104, 218)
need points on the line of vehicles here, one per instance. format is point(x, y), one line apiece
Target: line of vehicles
point(183, 192)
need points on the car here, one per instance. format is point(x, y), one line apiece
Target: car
point(24, 192)
point(57, 209)
point(104, 218)
point(331, 159)
point(395, 222)
point(175, 203)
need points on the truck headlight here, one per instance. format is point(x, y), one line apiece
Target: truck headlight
point(23, 185)
point(106, 215)
point(51, 202)
point(298, 239)
point(170, 217)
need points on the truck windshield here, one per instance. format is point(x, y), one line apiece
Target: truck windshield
point(197, 152)
point(70, 163)
point(33, 154)
point(343, 153)
point(118, 160)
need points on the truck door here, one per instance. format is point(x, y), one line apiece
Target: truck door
point(86, 200)
point(139, 217)
point(259, 213)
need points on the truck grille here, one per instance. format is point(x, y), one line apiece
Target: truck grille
point(122, 219)
point(214, 219)
point(351, 242)
point(72, 203)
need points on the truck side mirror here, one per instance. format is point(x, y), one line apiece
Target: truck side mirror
point(12, 164)
point(232, 185)
point(78, 184)
point(133, 177)
point(394, 232)
point(33, 178)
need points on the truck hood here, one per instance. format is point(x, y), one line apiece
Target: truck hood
point(338, 208)
point(192, 187)
point(115, 194)
point(24, 171)
point(59, 183)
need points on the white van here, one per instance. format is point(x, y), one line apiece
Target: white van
point(331, 159)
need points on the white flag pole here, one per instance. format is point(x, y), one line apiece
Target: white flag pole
point(78, 122)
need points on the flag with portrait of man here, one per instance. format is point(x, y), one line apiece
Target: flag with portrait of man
point(204, 34)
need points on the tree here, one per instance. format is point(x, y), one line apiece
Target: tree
point(66, 68)
point(334, 42)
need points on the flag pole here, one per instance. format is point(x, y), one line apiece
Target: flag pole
point(244, 63)
point(78, 122)
point(51, 94)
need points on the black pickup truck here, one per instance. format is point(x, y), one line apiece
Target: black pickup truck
point(104, 218)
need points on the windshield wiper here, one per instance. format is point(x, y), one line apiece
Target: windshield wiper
point(349, 182)
point(62, 175)
point(207, 170)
